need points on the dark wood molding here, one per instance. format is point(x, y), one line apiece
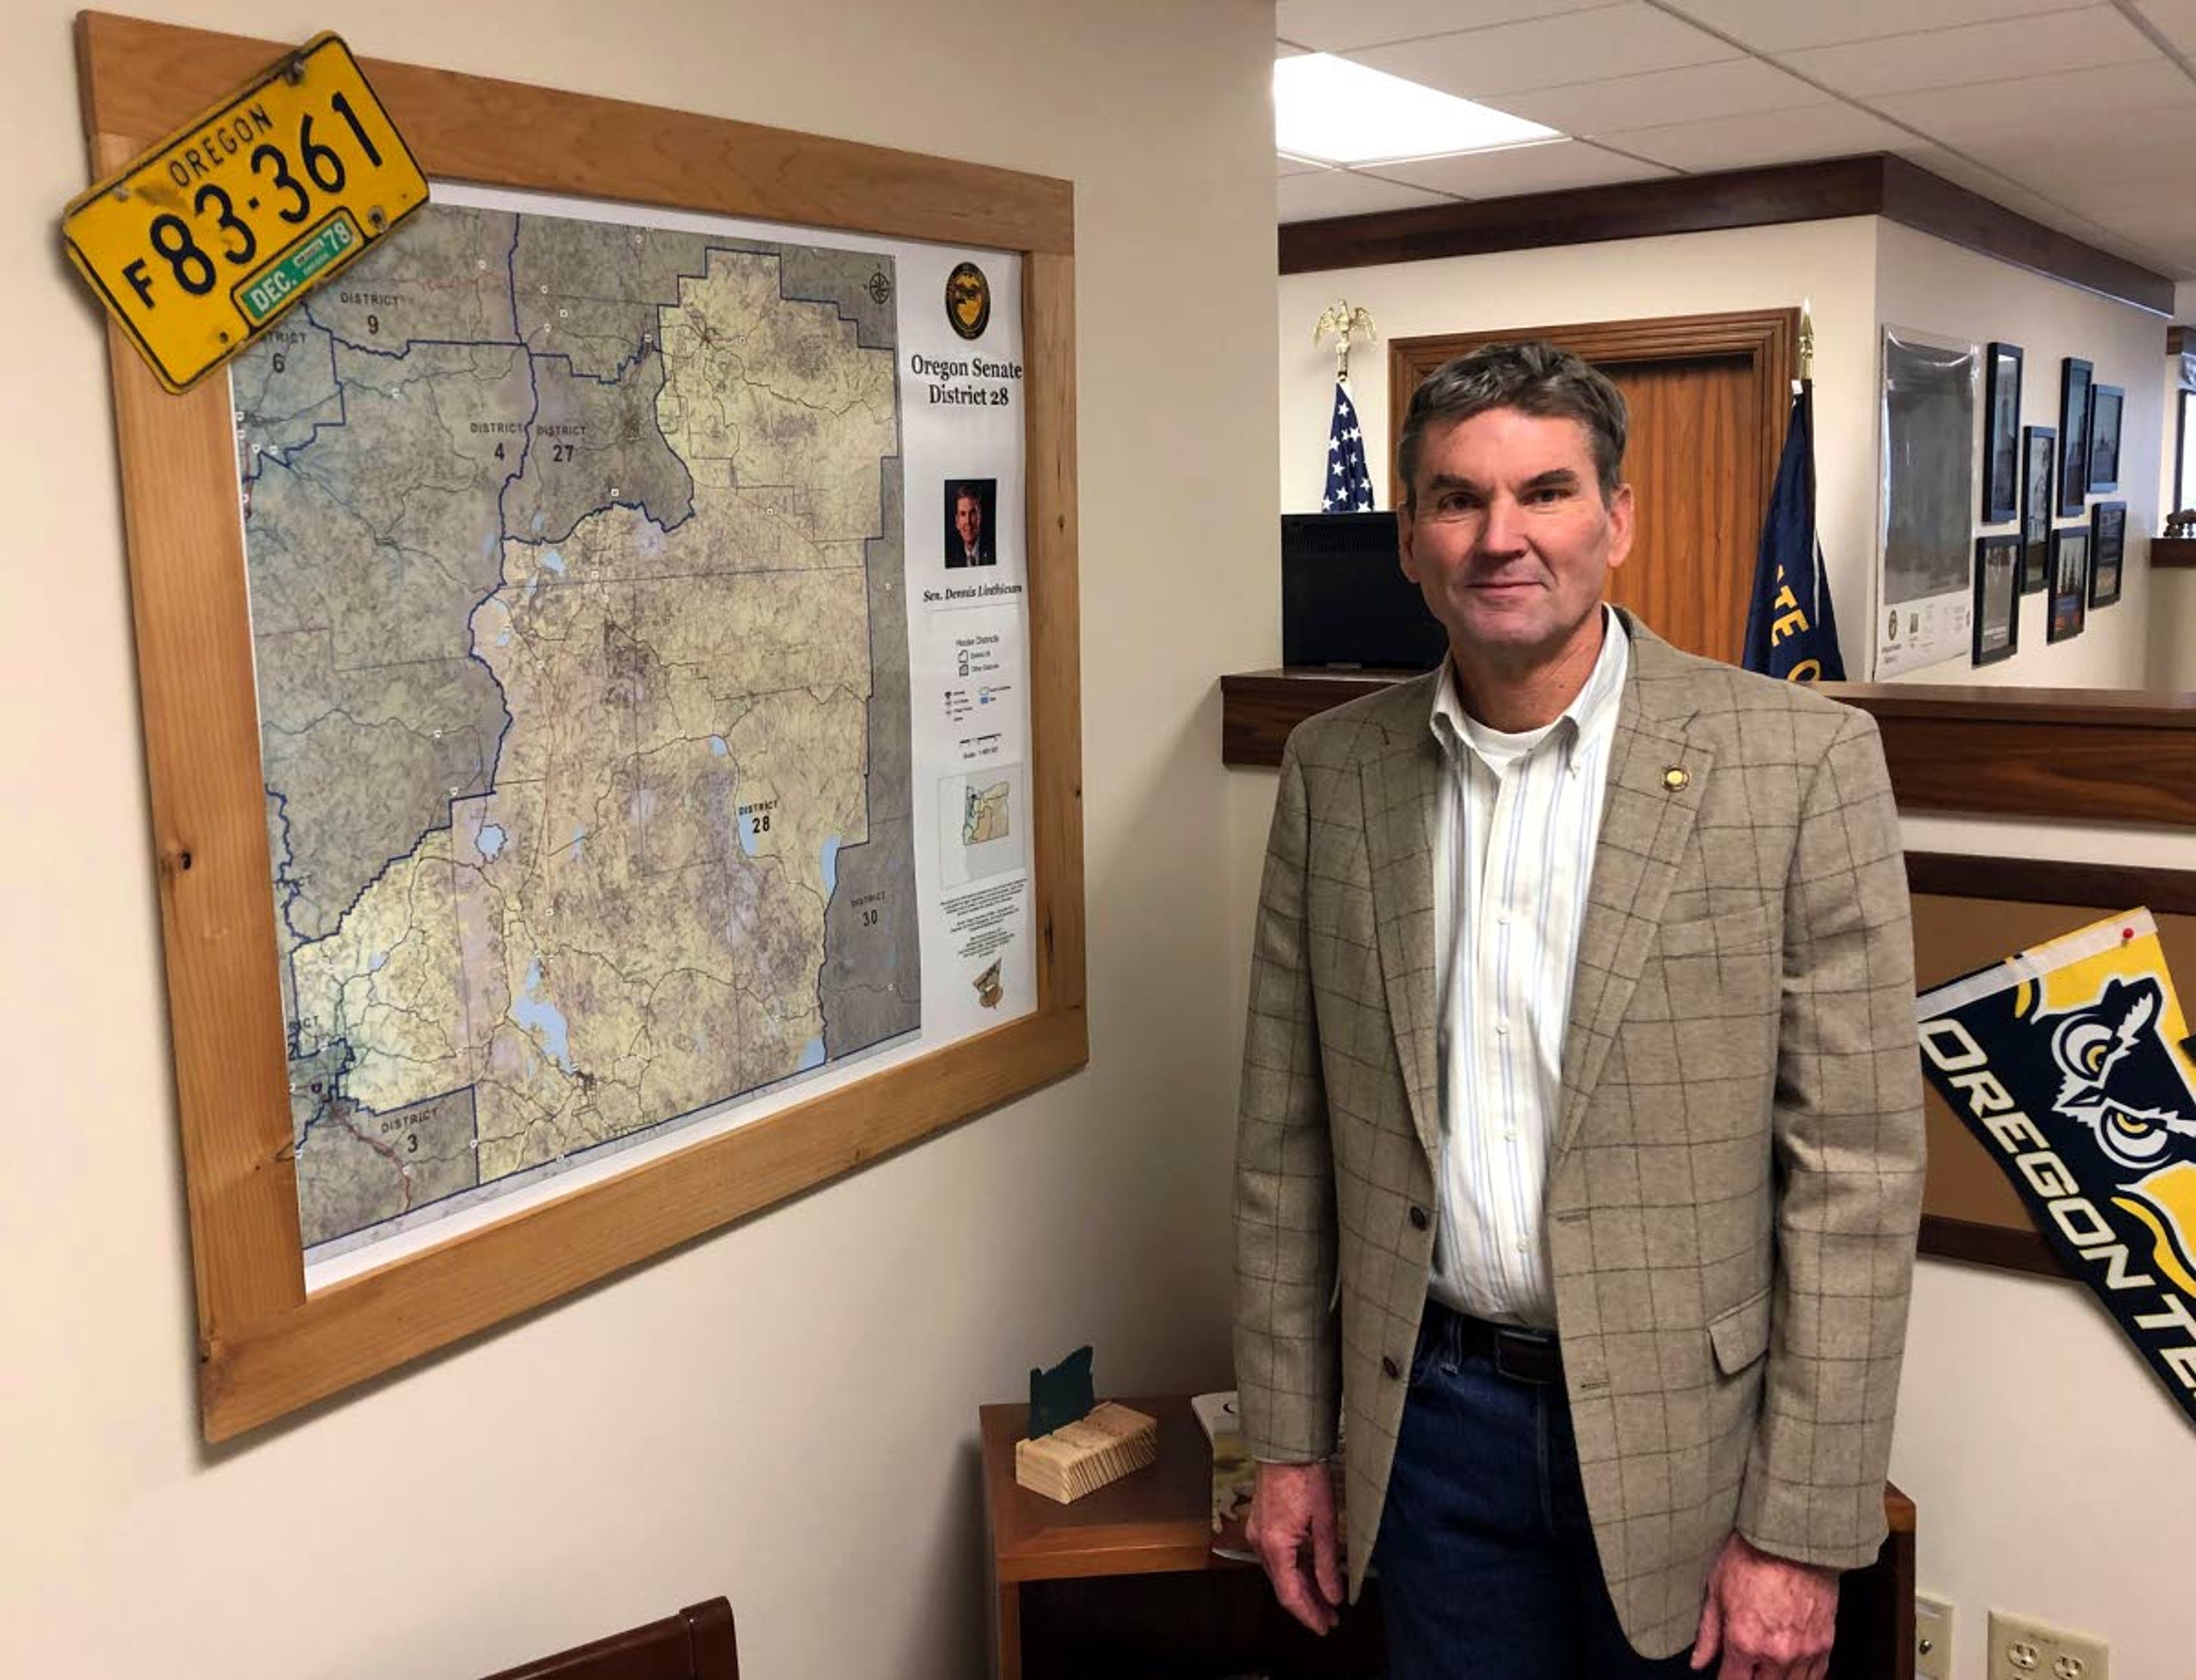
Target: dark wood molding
point(2172, 553)
point(1690, 203)
point(2036, 881)
point(1929, 204)
point(1258, 708)
point(2099, 755)
point(1768, 339)
point(1980, 1245)
point(1877, 184)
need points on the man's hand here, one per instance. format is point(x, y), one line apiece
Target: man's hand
point(1293, 1508)
point(1773, 1620)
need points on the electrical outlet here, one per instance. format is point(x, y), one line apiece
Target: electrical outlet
point(1932, 1637)
point(2023, 1648)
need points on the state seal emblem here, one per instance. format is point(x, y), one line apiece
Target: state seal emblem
point(968, 300)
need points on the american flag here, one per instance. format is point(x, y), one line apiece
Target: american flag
point(1349, 485)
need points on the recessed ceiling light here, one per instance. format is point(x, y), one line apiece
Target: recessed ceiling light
point(1334, 110)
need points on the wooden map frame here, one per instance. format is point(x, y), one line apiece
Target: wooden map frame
point(266, 1347)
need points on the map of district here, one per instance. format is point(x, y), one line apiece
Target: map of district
point(575, 560)
point(985, 818)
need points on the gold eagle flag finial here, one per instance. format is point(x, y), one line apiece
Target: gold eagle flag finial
point(1346, 322)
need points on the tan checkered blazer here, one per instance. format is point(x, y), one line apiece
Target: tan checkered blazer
point(1736, 1181)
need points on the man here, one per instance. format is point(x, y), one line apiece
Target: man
point(974, 548)
point(1581, 1148)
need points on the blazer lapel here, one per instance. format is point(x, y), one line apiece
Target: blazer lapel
point(1655, 778)
point(1401, 789)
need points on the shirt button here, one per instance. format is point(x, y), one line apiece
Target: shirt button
point(1418, 1220)
point(1509, 1134)
point(1502, 1025)
point(1390, 1366)
point(1523, 1245)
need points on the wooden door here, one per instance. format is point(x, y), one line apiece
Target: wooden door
point(1709, 396)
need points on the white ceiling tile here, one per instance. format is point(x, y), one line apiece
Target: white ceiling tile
point(2148, 158)
point(1731, 88)
point(1620, 40)
point(1282, 49)
point(1825, 130)
point(2130, 204)
point(1554, 166)
point(2175, 19)
point(1341, 192)
point(1337, 26)
point(2045, 109)
point(1285, 165)
point(1986, 52)
point(1778, 25)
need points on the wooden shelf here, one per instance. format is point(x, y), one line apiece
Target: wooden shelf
point(2092, 754)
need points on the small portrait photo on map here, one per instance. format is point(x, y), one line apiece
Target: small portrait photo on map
point(970, 504)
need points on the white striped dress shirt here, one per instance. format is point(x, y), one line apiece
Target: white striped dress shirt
point(1514, 833)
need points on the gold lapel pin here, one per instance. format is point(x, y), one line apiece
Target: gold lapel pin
point(1675, 779)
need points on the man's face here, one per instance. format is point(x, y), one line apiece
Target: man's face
point(968, 519)
point(1508, 537)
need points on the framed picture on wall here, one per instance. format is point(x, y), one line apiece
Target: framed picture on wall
point(2074, 378)
point(2070, 582)
point(2105, 402)
point(2001, 434)
point(2107, 542)
point(2037, 494)
point(343, 1222)
point(1997, 599)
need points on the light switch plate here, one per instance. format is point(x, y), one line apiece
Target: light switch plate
point(1932, 1637)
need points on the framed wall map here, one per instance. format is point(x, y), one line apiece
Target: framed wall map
point(588, 808)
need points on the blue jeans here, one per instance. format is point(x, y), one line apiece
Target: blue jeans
point(1486, 1553)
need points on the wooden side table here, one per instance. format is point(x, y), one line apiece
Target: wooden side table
point(1124, 1580)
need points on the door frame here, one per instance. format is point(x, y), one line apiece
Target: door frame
point(1768, 339)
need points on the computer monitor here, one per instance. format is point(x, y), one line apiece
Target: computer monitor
point(1344, 599)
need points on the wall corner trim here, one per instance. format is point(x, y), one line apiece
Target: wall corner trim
point(1872, 184)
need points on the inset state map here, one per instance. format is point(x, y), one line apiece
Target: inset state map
point(577, 594)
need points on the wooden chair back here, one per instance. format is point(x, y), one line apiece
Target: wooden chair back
point(696, 1644)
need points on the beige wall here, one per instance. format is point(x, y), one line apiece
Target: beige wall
point(785, 1412)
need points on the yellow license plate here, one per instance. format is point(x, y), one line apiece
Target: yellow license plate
point(205, 241)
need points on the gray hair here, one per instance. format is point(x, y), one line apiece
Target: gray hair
point(1534, 378)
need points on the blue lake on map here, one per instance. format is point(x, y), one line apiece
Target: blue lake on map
point(538, 1015)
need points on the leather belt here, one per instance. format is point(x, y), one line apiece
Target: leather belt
point(1521, 1355)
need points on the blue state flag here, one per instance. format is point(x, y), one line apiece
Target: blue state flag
point(1791, 630)
point(1349, 485)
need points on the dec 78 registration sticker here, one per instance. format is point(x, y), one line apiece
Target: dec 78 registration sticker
point(201, 244)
